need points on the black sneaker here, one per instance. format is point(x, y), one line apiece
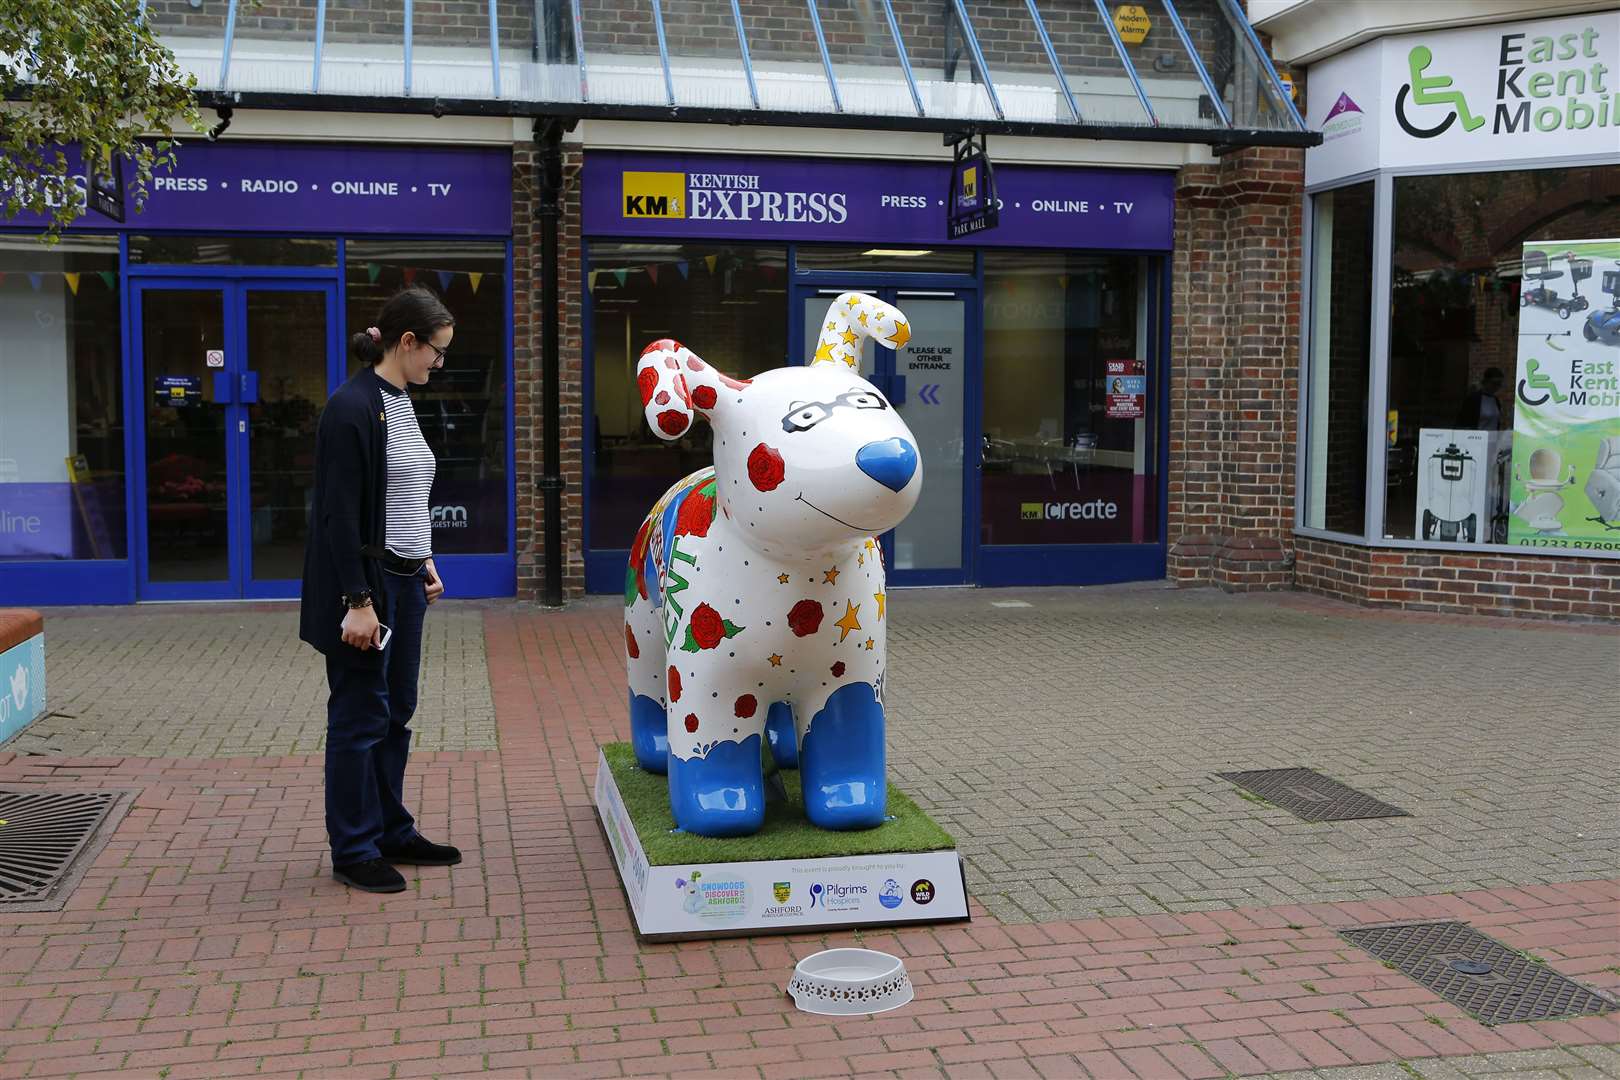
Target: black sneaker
point(373, 875)
point(420, 851)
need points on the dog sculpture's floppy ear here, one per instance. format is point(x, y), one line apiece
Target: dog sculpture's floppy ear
point(853, 316)
point(675, 384)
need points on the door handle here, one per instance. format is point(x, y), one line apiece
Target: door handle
point(224, 385)
point(250, 388)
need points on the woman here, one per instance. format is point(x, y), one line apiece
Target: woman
point(368, 579)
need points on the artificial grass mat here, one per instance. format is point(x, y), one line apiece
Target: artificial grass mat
point(785, 835)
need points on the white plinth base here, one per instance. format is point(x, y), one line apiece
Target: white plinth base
point(723, 899)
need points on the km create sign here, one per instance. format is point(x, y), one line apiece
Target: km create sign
point(1132, 22)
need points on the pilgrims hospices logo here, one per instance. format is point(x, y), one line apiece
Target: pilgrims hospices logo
point(1343, 120)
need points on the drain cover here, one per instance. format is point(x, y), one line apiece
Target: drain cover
point(1480, 975)
point(44, 832)
point(1310, 796)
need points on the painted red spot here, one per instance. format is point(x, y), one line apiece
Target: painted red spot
point(765, 468)
point(704, 397)
point(746, 705)
point(674, 422)
point(838, 670)
point(682, 392)
point(691, 722)
point(669, 362)
point(735, 384)
point(630, 645)
point(647, 380)
point(695, 364)
point(805, 618)
point(663, 344)
point(662, 398)
point(708, 629)
point(674, 684)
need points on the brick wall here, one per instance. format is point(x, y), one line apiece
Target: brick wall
point(1235, 361)
point(528, 408)
point(1476, 583)
point(459, 22)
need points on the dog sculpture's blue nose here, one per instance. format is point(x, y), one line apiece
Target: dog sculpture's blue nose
point(891, 462)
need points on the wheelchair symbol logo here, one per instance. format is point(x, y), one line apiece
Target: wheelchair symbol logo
point(1428, 90)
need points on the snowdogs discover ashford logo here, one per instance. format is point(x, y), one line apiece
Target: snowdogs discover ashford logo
point(755, 609)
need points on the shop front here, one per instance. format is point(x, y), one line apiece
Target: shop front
point(1460, 441)
point(1035, 377)
point(161, 379)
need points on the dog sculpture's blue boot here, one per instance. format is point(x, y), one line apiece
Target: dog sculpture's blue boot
point(649, 733)
point(842, 763)
point(721, 793)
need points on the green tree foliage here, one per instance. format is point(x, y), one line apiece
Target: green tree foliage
point(86, 72)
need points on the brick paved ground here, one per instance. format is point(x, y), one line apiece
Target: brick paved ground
point(208, 941)
point(213, 681)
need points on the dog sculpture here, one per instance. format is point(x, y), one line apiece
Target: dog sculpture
point(754, 598)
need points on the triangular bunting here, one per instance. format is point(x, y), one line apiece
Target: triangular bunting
point(1063, 281)
point(592, 283)
point(410, 275)
point(683, 268)
point(709, 261)
point(372, 271)
point(652, 272)
point(73, 282)
point(621, 275)
point(36, 280)
point(445, 278)
point(108, 278)
point(476, 279)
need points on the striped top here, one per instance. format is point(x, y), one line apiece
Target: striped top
point(410, 477)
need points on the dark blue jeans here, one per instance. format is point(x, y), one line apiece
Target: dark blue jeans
point(367, 737)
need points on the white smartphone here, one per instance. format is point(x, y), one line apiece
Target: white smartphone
point(386, 633)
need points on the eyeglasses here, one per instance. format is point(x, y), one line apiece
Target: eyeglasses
point(438, 354)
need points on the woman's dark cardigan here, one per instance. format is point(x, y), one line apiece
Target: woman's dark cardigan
point(349, 518)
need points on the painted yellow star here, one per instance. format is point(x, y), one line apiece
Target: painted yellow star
point(881, 598)
point(823, 353)
point(830, 577)
point(902, 334)
point(860, 560)
point(850, 622)
point(853, 302)
point(869, 644)
point(850, 360)
point(776, 659)
point(850, 337)
point(870, 544)
point(863, 318)
point(783, 578)
point(832, 326)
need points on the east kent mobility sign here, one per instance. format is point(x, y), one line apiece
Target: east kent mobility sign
point(1507, 92)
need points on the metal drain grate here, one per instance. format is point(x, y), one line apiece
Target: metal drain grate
point(41, 834)
point(1310, 796)
point(1481, 976)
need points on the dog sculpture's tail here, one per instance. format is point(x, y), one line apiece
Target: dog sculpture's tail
point(853, 316)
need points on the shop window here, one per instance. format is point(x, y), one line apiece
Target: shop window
point(728, 304)
point(1340, 357)
point(61, 400)
point(1069, 428)
point(1464, 295)
point(233, 250)
point(462, 410)
point(892, 259)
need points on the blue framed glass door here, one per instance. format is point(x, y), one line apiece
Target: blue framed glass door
point(930, 382)
point(233, 374)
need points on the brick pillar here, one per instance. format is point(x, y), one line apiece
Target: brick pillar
point(528, 424)
point(1235, 370)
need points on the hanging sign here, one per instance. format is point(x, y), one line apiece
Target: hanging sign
point(972, 203)
point(1566, 414)
point(1125, 390)
point(1132, 22)
point(107, 189)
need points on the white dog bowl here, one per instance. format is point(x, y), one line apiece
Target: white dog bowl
point(850, 982)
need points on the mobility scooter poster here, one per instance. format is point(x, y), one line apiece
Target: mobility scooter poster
point(1566, 418)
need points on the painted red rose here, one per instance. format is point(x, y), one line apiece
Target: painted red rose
point(673, 421)
point(648, 381)
point(765, 468)
point(691, 722)
point(708, 628)
point(674, 684)
point(630, 645)
point(704, 397)
point(805, 618)
point(696, 514)
point(663, 397)
point(746, 706)
point(838, 670)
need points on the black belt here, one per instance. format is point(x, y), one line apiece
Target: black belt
point(394, 564)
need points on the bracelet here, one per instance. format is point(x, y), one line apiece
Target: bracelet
point(361, 599)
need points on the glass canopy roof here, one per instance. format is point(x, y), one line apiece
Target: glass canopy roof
point(1173, 70)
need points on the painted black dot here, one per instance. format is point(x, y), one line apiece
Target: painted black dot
point(731, 654)
point(715, 694)
point(767, 622)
